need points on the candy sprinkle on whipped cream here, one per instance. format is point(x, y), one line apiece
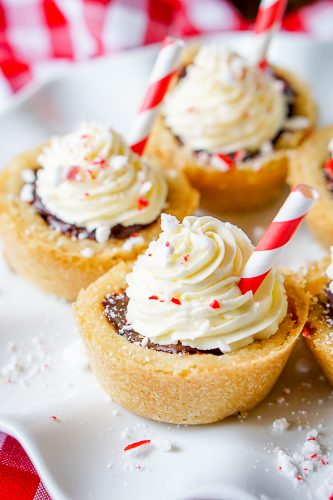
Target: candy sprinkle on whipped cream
point(196, 300)
point(90, 178)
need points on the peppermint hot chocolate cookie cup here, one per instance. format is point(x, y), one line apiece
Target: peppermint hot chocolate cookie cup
point(229, 126)
point(313, 163)
point(318, 331)
point(178, 342)
point(72, 209)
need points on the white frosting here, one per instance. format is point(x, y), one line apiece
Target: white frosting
point(225, 105)
point(329, 271)
point(185, 288)
point(90, 178)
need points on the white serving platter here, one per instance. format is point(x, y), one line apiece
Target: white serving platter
point(79, 456)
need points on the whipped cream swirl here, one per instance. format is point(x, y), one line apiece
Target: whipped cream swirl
point(184, 288)
point(224, 104)
point(90, 178)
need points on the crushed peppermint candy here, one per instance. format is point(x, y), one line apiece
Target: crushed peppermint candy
point(215, 304)
point(142, 203)
point(132, 242)
point(280, 424)
point(136, 444)
point(74, 174)
point(222, 162)
point(25, 364)
point(27, 193)
point(160, 444)
point(99, 162)
point(54, 418)
point(28, 175)
point(299, 465)
point(102, 234)
point(166, 251)
point(153, 297)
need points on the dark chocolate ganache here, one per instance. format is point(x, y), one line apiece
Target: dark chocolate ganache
point(290, 95)
point(115, 308)
point(325, 301)
point(328, 305)
point(118, 232)
point(329, 296)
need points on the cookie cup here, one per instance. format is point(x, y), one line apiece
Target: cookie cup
point(247, 187)
point(306, 166)
point(55, 262)
point(319, 337)
point(188, 389)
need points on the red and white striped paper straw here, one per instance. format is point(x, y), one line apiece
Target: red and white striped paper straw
point(280, 231)
point(164, 69)
point(267, 22)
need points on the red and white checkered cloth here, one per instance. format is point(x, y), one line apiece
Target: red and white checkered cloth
point(38, 36)
point(18, 477)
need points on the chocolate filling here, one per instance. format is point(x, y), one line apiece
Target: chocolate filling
point(115, 308)
point(118, 232)
point(290, 95)
point(325, 301)
point(329, 296)
point(328, 306)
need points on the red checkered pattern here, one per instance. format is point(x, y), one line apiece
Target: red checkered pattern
point(18, 477)
point(38, 35)
point(35, 32)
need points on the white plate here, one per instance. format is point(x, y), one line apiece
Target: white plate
point(80, 456)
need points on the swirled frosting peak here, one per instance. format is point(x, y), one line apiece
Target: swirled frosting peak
point(223, 104)
point(90, 178)
point(184, 288)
